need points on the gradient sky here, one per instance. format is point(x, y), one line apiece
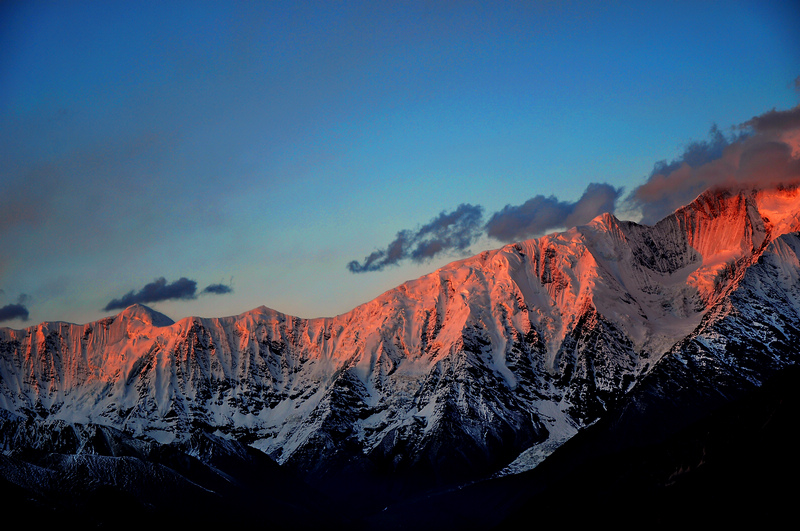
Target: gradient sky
point(260, 147)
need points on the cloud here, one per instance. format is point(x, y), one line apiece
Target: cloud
point(448, 232)
point(775, 120)
point(159, 290)
point(218, 289)
point(457, 230)
point(674, 184)
point(762, 154)
point(156, 291)
point(541, 214)
point(13, 311)
point(696, 153)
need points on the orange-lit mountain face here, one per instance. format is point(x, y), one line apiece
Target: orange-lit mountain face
point(487, 364)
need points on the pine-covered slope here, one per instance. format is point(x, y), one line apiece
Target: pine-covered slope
point(454, 374)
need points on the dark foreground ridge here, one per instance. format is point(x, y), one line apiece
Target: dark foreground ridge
point(735, 465)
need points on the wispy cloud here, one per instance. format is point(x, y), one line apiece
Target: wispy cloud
point(160, 290)
point(453, 232)
point(449, 231)
point(218, 289)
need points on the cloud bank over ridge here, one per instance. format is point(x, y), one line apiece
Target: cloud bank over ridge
point(762, 152)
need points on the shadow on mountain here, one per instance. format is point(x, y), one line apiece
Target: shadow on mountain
point(688, 462)
point(109, 480)
point(735, 465)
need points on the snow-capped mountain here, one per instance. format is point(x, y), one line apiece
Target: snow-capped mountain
point(486, 363)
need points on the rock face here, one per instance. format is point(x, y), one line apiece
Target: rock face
point(490, 361)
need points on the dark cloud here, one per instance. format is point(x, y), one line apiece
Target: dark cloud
point(541, 214)
point(156, 291)
point(761, 152)
point(457, 230)
point(696, 153)
point(453, 231)
point(775, 120)
point(13, 311)
point(218, 289)
point(761, 155)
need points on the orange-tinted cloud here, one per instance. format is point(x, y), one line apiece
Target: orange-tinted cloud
point(762, 155)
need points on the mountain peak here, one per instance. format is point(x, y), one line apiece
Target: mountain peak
point(145, 314)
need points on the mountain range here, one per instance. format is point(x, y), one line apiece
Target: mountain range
point(512, 364)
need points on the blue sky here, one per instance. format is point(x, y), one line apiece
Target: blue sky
point(263, 147)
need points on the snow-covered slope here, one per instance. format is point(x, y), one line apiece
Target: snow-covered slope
point(511, 351)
